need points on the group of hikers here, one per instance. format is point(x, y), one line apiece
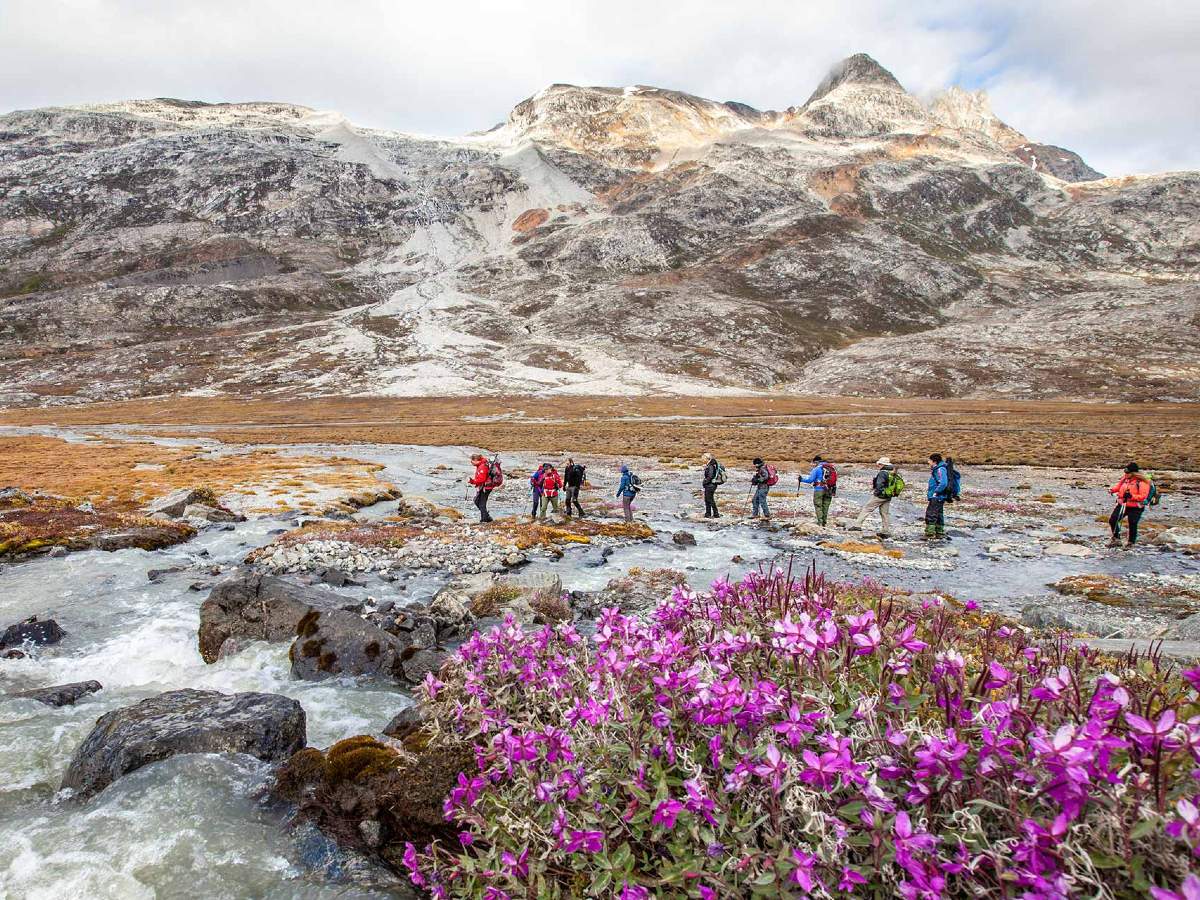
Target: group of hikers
point(1133, 492)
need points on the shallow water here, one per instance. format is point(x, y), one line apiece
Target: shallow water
point(192, 826)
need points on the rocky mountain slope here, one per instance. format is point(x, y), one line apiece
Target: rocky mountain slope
point(601, 240)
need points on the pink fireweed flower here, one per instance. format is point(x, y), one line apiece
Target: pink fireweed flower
point(666, 812)
point(1189, 890)
point(773, 767)
point(850, 879)
point(1192, 677)
point(585, 842)
point(797, 725)
point(803, 873)
point(998, 676)
point(633, 892)
point(516, 866)
point(1187, 826)
point(431, 685)
point(866, 642)
point(1158, 730)
point(1052, 686)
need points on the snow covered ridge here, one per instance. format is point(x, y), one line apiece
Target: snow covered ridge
point(600, 241)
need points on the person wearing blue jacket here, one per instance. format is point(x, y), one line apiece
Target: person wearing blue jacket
point(937, 493)
point(823, 489)
point(535, 484)
point(626, 491)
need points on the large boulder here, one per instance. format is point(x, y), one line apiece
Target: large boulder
point(140, 537)
point(487, 594)
point(32, 631)
point(174, 503)
point(257, 607)
point(207, 513)
point(60, 694)
point(267, 726)
point(336, 642)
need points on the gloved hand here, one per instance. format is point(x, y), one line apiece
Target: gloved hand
point(1128, 496)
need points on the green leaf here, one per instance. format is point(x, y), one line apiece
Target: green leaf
point(1143, 828)
point(1104, 861)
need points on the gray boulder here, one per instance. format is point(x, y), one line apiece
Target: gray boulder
point(61, 694)
point(258, 608)
point(174, 503)
point(1188, 629)
point(335, 642)
point(419, 664)
point(32, 631)
point(683, 539)
point(266, 726)
point(210, 513)
point(404, 722)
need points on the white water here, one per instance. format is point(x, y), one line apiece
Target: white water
point(194, 826)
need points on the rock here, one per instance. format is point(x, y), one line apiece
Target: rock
point(155, 574)
point(404, 722)
point(736, 558)
point(257, 607)
point(148, 537)
point(12, 654)
point(1188, 629)
point(336, 642)
point(57, 552)
point(385, 606)
point(424, 632)
point(60, 695)
point(371, 832)
point(683, 539)
point(31, 631)
point(1060, 548)
point(211, 513)
point(14, 496)
point(1180, 536)
point(421, 663)
point(450, 609)
point(325, 860)
point(266, 726)
point(174, 503)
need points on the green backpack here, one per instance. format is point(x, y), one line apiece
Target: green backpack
point(894, 486)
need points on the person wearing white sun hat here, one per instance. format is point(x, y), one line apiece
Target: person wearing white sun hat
point(886, 484)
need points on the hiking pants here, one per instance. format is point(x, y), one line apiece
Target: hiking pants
point(935, 518)
point(883, 504)
point(572, 497)
point(710, 500)
point(1132, 513)
point(481, 499)
point(821, 502)
point(760, 501)
point(537, 502)
point(627, 505)
point(548, 501)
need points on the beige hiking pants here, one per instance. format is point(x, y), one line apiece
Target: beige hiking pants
point(883, 504)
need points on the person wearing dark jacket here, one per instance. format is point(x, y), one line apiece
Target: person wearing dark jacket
point(709, 484)
point(937, 493)
point(759, 481)
point(878, 499)
point(572, 482)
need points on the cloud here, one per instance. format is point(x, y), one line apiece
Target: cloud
point(1114, 82)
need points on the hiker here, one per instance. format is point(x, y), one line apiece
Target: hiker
point(1132, 493)
point(886, 484)
point(484, 481)
point(551, 482)
point(941, 490)
point(714, 477)
point(823, 479)
point(535, 483)
point(761, 481)
point(573, 480)
point(627, 490)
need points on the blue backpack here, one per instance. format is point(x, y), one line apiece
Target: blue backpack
point(953, 482)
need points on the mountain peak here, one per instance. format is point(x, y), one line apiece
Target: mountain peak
point(860, 68)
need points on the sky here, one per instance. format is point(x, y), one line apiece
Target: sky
point(1118, 81)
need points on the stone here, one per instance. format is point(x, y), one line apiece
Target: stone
point(267, 726)
point(1188, 629)
point(1061, 548)
point(12, 654)
point(57, 552)
point(174, 503)
point(155, 574)
point(148, 537)
point(450, 609)
point(683, 539)
point(421, 663)
point(14, 496)
point(335, 642)
point(257, 607)
point(404, 722)
point(32, 631)
point(61, 694)
point(211, 513)
point(1180, 536)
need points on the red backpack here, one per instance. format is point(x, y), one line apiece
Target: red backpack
point(772, 476)
point(495, 477)
point(829, 478)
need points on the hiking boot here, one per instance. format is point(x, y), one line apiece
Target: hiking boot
point(854, 528)
point(1114, 541)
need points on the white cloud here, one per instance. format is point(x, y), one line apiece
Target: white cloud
point(1115, 82)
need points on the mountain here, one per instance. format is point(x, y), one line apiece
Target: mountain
point(598, 241)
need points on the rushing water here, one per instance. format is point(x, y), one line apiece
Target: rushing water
point(194, 826)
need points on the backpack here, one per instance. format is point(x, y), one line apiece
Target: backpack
point(895, 484)
point(1154, 497)
point(719, 477)
point(495, 476)
point(828, 478)
point(635, 483)
point(772, 476)
point(953, 482)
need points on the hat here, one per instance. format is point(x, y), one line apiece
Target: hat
point(1132, 467)
point(883, 461)
point(757, 461)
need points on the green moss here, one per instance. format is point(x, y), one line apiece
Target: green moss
point(367, 760)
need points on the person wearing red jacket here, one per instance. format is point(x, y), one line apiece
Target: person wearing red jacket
point(551, 483)
point(481, 481)
point(1132, 492)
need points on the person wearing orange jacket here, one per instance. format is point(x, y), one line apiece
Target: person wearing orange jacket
point(481, 481)
point(551, 482)
point(1132, 492)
